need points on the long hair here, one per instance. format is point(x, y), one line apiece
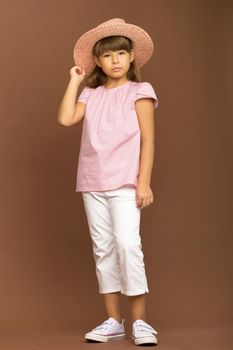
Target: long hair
point(116, 42)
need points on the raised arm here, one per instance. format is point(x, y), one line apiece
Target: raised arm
point(70, 112)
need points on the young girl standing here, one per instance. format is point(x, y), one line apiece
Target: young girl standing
point(115, 164)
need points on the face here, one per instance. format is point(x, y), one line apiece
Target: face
point(115, 59)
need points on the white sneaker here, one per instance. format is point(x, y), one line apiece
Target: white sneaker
point(143, 333)
point(109, 330)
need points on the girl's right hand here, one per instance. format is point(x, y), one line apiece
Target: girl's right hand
point(78, 73)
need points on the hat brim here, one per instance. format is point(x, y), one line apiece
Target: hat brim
point(142, 44)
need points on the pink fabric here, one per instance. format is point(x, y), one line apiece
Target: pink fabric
point(110, 142)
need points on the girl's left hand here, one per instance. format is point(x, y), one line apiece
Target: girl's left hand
point(144, 195)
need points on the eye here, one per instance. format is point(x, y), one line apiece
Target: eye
point(119, 52)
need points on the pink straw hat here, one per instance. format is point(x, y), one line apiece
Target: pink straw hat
point(142, 42)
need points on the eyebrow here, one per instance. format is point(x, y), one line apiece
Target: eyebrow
point(113, 51)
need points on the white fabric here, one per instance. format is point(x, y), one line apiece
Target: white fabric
point(110, 329)
point(110, 326)
point(114, 224)
point(143, 333)
point(142, 328)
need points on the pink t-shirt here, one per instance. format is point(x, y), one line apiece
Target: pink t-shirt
point(110, 142)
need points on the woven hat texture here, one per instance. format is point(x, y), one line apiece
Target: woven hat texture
point(142, 43)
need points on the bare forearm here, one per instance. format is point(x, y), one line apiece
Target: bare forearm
point(67, 106)
point(146, 162)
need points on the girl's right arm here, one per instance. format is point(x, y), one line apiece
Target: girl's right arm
point(70, 112)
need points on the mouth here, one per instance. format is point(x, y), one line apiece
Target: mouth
point(116, 69)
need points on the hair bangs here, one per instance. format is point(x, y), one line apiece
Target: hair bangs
point(112, 43)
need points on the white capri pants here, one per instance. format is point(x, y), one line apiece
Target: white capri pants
point(114, 222)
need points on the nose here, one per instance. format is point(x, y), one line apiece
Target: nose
point(114, 57)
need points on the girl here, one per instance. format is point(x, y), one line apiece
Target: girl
point(115, 164)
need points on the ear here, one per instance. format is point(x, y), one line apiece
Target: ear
point(132, 55)
point(96, 61)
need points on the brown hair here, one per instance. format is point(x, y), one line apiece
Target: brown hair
point(115, 42)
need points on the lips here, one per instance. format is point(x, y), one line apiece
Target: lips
point(116, 69)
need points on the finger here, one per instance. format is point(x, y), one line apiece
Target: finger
point(79, 68)
point(144, 203)
point(139, 200)
point(139, 204)
point(150, 200)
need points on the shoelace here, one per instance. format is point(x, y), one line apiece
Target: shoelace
point(102, 326)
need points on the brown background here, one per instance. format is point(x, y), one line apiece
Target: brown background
point(47, 272)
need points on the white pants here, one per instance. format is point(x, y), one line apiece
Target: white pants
point(114, 222)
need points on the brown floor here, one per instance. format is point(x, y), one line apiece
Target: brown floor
point(173, 339)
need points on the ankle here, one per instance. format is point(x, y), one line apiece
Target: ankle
point(117, 318)
point(138, 318)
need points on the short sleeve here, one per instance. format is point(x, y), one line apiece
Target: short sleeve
point(84, 96)
point(146, 90)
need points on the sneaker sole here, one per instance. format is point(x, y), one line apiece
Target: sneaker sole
point(145, 340)
point(104, 339)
